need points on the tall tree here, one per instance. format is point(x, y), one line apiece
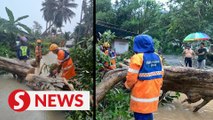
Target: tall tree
point(49, 7)
point(104, 11)
point(64, 12)
point(36, 30)
point(57, 12)
point(85, 27)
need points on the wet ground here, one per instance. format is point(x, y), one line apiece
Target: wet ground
point(8, 84)
point(183, 111)
point(179, 111)
point(174, 111)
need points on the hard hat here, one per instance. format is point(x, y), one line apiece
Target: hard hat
point(38, 41)
point(53, 47)
point(106, 44)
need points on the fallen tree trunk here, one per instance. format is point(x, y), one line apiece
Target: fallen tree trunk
point(37, 82)
point(26, 71)
point(196, 84)
point(110, 79)
point(14, 66)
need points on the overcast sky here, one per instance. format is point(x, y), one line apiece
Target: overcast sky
point(163, 1)
point(32, 8)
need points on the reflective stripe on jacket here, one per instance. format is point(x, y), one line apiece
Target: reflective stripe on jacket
point(151, 67)
point(144, 93)
point(68, 69)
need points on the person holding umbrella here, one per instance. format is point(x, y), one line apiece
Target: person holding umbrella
point(199, 36)
point(201, 52)
point(188, 55)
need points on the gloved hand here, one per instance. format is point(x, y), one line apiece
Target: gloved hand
point(127, 90)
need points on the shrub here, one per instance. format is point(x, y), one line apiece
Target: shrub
point(82, 55)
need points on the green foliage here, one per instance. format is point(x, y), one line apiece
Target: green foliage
point(45, 48)
point(77, 115)
point(85, 27)
point(108, 110)
point(107, 36)
point(82, 56)
point(169, 98)
point(12, 25)
point(157, 44)
point(67, 36)
point(8, 44)
point(10, 14)
point(58, 11)
point(103, 5)
point(101, 58)
point(170, 26)
point(57, 39)
point(5, 51)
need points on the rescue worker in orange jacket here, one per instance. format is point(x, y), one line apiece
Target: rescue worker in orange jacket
point(38, 52)
point(144, 78)
point(65, 64)
point(108, 52)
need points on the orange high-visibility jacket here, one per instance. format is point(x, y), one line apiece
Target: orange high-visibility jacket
point(144, 93)
point(68, 68)
point(112, 61)
point(38, 52)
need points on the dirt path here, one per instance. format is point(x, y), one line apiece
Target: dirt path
point(8, 84)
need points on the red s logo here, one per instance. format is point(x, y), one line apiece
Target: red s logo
point(19, 100)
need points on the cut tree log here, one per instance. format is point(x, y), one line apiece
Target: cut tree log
point(196, 84)
point(26, 71)
point(14, 66)
point(109, 80)
point(36, 82)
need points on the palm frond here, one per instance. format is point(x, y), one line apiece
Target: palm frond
point(10, 14)
point(24, 27)
point(22, 17)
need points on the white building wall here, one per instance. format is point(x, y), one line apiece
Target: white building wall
point(120, 46)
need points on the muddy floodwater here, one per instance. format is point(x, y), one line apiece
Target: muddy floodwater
point(182, 111)
point(8, 84)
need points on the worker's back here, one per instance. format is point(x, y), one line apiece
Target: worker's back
point(23, 51)
point(67, 64)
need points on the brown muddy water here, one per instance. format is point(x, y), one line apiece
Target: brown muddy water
point(8, 84)
point(183, 111)
point(179, 111)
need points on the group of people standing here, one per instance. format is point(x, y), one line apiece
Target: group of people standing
point(189, 55)
point(65, 63)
